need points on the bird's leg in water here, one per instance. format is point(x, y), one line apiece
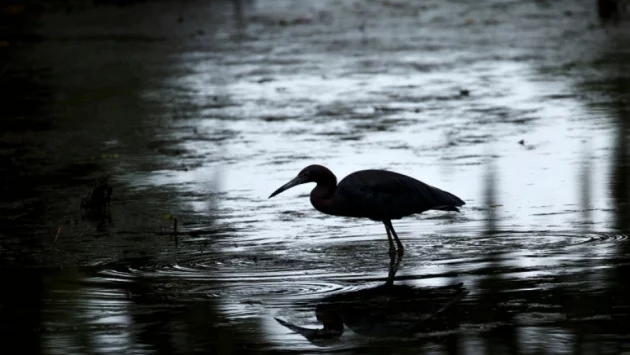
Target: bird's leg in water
point(394, 257)
point(392, 249)
point(392, 273)
point(388, 225)
point(394, 262)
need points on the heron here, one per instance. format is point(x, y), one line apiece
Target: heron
point(380, 195)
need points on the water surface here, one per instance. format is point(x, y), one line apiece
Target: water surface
point(197, 111)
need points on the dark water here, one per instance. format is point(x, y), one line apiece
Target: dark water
point(198, 110)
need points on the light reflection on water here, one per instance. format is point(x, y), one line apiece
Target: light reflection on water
point(539, 243)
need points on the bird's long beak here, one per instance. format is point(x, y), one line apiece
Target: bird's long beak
point(305, 332)
point(297, 181)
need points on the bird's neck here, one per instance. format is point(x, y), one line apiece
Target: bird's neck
point(333, 324)
point(322, 196)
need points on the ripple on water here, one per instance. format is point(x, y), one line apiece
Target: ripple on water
point(257, 277)
point(240, 293)
point(246, 274)
point(537, 239)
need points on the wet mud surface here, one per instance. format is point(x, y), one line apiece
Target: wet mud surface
point(139, 144)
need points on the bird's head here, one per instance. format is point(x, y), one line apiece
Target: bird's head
point(312, 173)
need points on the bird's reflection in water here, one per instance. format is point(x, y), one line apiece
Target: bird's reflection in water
point(386, 310)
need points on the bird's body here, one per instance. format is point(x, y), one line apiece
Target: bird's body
point(379, 195)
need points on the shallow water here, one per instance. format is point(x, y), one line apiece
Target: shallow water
point(197, 113)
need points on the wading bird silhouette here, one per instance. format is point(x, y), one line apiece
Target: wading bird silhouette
point(379, 195)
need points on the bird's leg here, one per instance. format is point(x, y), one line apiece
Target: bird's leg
point(392, 249)
point(393, 267)
point(395, 258)
point(401, 249)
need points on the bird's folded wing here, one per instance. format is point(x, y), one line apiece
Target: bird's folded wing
point(392, 196)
